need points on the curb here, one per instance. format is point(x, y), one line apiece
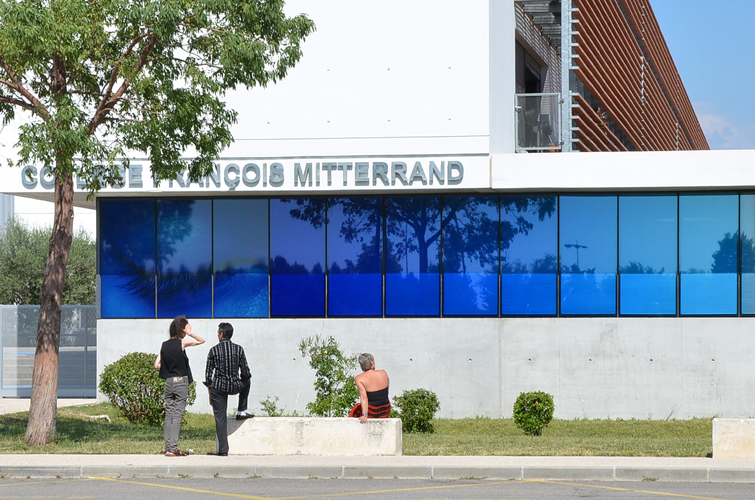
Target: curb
point(440, 472)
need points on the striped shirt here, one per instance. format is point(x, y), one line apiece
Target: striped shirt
point(226, 367)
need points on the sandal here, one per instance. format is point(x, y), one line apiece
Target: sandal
point(177, 453)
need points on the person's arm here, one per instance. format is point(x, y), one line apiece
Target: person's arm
point(158, 361)
point(246, 374)
point(208, 372)
point(190, 340)
point(362, 398)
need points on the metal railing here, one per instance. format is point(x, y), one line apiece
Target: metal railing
point(538, 126)
point(77, 371)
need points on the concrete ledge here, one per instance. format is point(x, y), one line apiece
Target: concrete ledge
point(314, 436)
point(733, 438)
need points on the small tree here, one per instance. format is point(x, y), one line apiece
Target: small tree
point(95, 81)
point(23, 253)
point(334, 377)
point(417, 409)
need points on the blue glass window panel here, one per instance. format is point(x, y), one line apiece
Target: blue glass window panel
point(708, 254)
point(412, 279)
point(412, 294)
point(529, 249)
point(355, 256)
point(709, 294)
point(470, 255)
point(127, 296)
point(588, 233)
point(528, 294)
point(240, 258)
point(647, 254)
point(297, 251)
point(184, 256)
point(355, 294)
point(127, 257)
point(470, 294)
point(648, 294)
point(298, 294)
point(747, 246)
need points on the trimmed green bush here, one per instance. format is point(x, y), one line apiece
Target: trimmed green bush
point(417, 409)
point(134, 386)
point(533, 411)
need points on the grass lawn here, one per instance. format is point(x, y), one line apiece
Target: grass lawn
point(77, 433)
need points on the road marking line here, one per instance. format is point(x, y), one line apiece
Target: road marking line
point(235, 495)
point(56, 481)
point(659, 493)
point(324, 495)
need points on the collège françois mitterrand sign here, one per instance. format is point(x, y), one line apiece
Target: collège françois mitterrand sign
point(293, 175)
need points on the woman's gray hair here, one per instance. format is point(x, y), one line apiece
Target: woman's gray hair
point(365, 360)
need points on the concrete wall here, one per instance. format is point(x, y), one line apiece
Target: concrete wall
point(594, 367)
point(6, 209)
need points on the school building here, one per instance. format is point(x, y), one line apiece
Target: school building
point(491, 197)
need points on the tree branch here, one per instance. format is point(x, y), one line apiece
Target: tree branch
point(33, 103)
point(107, 104)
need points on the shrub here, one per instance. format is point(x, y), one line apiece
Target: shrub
point(270, 407)
point(533, 411)
point(417, 409)
point(134, 386)
point(334, 377)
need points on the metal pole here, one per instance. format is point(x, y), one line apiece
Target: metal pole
point(566, 65)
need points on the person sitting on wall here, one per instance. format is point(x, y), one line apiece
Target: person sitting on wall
point(227, 373)
point(373, 391)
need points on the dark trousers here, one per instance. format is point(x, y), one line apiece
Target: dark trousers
point(219, 402)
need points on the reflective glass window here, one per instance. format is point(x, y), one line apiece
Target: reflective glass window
point(708, 253)
point(747, 228)
point(470, 255)
point(240, 256)
point(529, 250)
point(412, 278)
point(588, 254)
point(297, 253)
point(127, 257)
point(355, 256)
point(647, 254)
point(184, 258)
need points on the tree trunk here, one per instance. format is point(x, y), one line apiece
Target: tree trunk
point(44, 383)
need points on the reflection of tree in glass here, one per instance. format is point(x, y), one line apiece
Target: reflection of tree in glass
point(520, 209)
point(638, 268)
point(726, 257)
point(310, 210)
point(362, 225)
point(469, 234)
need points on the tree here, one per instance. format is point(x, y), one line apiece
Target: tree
point(96, 80)
point(23, 252)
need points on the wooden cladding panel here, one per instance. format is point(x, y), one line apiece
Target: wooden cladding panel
point(610, 66)
point(593, 131)
point(646, 26)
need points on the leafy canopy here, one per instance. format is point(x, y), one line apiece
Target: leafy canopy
point(100, 78)
point(23, 255)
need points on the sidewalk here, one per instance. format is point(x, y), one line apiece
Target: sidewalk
point(344, 467)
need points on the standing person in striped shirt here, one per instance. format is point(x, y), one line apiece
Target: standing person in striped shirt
point(227, 373)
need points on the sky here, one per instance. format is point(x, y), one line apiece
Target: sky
point(711, 43)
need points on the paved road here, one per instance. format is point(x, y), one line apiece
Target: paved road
point(390, 489)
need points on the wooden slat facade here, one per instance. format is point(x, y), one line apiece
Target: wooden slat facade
point(624, 62)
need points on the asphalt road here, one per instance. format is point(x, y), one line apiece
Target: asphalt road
point(393, 489)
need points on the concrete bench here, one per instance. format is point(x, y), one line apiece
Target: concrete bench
point(733, 438)
point(314, 436)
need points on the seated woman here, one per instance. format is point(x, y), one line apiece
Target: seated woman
point(373, 391)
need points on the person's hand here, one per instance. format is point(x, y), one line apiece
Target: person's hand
point(363, 419)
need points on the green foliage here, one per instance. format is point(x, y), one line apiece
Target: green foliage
point(270, 407)
point(102, 79)
point(133, 385)
point(334, 377)
point(417, 409)
point(23, 257)
point(533, 411)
